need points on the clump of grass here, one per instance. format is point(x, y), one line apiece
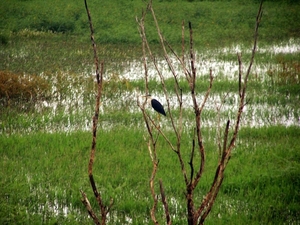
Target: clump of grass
point(21, 88)
point(288, 72)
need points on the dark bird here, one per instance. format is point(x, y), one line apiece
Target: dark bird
point(156, 105)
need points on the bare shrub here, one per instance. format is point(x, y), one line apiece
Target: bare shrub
point(196, 212)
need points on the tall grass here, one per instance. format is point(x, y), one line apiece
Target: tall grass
point(41, 175)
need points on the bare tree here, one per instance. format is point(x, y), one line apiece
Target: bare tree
point(99, 78)
point(196, 214)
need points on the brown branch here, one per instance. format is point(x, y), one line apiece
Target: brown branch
point(177, 151)
point(192, 58)
point(89, 208)
point(192, 157)
point(211, 79)
point(225, 138)
point(210, 197)
point(181, 60)
point(198, 129)
point(191, 77)
point(258, 19)
point(146, 45)
point(182, 166)
point(208, 201)
point(212, 200)
point(99, 78)
point(157, 127)
point(152, 142)
point(243, 91)
point(165, 204)
point(219, 175)
point(182, 42)
point(154, 196)
point(178, 93)
point(144, 39)
point(219, 122)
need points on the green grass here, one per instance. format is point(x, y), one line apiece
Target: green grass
point(215, 23)
point(271, 169)
point(260, 185)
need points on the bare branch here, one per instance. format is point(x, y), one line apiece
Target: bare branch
point(258, 19)
point(192, 58)
point(207, 203)
point(219, 122)
point(198, 112)
point(99, 77)
point(88, 206)
point(243, 91)
point(208, 90)
point(225, 137)
point(165, 204)
point(192, 157)
point(157, 127)
point(167, 58)
point(154, 196)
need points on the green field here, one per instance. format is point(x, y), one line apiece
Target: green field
point(214, 22)
point(47, 96)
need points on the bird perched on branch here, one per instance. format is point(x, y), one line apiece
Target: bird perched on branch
point(156, 105)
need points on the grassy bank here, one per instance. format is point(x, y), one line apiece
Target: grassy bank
point(41, 175)
point(215, 23)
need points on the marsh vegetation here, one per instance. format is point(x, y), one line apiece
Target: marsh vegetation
point(47, 97)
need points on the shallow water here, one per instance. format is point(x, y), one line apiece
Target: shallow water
point(73, 105)
point(133, 70)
